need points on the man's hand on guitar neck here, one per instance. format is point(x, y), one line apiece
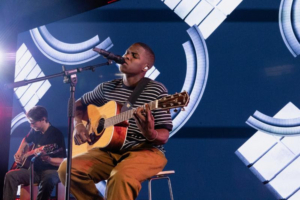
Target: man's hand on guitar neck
point(145, 122)
point(39, 152)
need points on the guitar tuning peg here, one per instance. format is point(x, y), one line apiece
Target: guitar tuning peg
point(182, 109)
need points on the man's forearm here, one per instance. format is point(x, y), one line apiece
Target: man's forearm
point(22, 145)
point(54, 161)
point(158, 136)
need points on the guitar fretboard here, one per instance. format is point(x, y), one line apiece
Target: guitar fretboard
point(126, 115)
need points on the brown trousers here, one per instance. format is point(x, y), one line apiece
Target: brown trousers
point(124, 172)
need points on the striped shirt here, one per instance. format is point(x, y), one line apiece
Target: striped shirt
point(115, 90)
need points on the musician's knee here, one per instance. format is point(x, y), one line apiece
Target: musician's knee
point(11, 174)
point(62, 170)
point(8, 176)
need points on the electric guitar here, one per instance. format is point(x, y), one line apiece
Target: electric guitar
point(105, 124)
point(29, 151)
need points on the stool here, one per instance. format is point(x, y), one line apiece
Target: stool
point(161, 175)
point(25, 191)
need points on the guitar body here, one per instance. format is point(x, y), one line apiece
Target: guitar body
point(107, 127)
point(26, 159)
point(110, 138)
point(28, 154)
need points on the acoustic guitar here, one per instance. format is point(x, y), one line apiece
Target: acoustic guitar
point(106, 125)
point(29, 151)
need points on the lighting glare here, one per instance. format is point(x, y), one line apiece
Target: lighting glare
point(1, 57)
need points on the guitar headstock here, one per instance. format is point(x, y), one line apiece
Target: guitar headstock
point(177, 100)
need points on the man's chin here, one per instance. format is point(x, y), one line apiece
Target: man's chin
point(122, 69)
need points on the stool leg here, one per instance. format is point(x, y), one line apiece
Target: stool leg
point(170, 188)
point(149, 189)
point(60, 191)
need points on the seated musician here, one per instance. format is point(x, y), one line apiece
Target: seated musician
point(42, 134)
point(142, 154)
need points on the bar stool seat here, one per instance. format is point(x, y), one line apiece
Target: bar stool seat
point(161, 175)
point(25, 191)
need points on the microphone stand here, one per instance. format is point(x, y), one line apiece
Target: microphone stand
point(69, 77)
point(31, 180)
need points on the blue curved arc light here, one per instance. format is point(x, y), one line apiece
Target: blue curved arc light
point(191, 66)
point(197, 56)
point(295, 20)
point(276, 121)
point(273, 130)
point(17, 121)
point(287, 25)
point(67, 47)
point(67, 58)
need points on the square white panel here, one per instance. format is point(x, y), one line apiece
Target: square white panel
point(256, 146)
point(26, 70)
point(22, 62)
point(43, 89)
point(211, 22)
point(281, 164)
point(293, 143)
point(288, 181)
point(295, 196)
point(150, 71)
point(213, 2)
point(227, 6)
point(30, 89)
point(273, 161)
point(184, 7)
point(172, 3)
point(199, 13)
point(154, 75)
point(21, 52)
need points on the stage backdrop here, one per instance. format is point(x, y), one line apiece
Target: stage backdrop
point(231, 56)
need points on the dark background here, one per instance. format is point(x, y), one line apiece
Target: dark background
point(242, 51)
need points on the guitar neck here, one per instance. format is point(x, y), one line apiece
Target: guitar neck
point(31, 152)
point(126, 115)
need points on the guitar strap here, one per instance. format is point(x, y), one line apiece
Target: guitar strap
point(135, 94)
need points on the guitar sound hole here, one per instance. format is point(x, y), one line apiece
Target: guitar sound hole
point(100, 129)
point(100, 125)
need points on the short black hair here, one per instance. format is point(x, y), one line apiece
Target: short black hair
point(37, 113)
point(149, 51)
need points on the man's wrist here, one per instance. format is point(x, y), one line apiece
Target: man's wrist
point(153, 136)
point(78, 123)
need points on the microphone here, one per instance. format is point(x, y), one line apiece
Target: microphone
point(110, 56)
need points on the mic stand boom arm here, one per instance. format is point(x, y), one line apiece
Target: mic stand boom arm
point(63, 73)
